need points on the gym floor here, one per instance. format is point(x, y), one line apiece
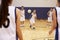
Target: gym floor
point(40, 33)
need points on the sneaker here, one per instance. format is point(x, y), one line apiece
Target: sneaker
point(33, 28)
point(30, 26)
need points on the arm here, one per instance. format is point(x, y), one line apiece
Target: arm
point(48, 13)
point(54, 21)
point(36, 16)
point(18, 30)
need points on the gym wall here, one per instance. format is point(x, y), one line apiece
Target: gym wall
point(41, 12)
point(42, 7)
point(34, 3)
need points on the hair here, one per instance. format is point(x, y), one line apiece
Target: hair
point(4, 10)
point(34, 10)
point(22, 6)
point(59, 1)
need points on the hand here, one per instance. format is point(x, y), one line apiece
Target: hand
point(50, 32)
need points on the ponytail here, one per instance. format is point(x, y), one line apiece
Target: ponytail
point(4, 11)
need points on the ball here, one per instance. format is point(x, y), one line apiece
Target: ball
point(29, 10)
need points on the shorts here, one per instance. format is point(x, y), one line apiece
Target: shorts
point(22, 19)
point(49, 19)
point(32, 21)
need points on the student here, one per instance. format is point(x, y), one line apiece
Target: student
point(32, 20)
point(50, 15)
point(22, 16)
point(56, 21)
point(9, 24)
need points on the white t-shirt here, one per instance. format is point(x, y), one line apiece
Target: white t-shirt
point(33, 16)
point(9, 33)
point(22, 15)
point(58, 19)
point(0, 2)
point(58, 15)
point(50, 17)
point(32, 20)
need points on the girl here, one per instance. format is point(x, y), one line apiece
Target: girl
point(56, 21)
point(32, 20)
point(22, 16)
point(8, 23)
point(50, 15)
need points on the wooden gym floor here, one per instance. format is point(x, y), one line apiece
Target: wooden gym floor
point(40, 33)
